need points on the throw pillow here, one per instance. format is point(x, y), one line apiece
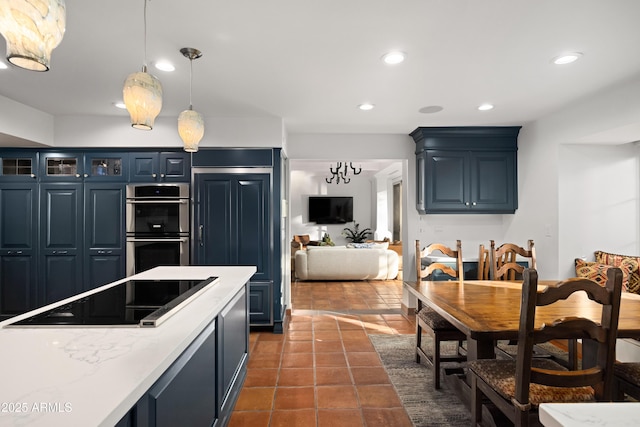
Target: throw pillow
point(617, 260)
point(598, 272)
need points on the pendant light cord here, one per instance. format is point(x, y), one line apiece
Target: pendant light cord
point(190, 82)
point(144, 61)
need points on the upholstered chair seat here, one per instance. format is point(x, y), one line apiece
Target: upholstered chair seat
point(434, 320)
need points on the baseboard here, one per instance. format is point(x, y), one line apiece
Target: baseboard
point(407, 311)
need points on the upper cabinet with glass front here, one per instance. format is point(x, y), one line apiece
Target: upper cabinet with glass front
point(61, 166)
point(105, 166)
point(88, 166)
point(18, 166)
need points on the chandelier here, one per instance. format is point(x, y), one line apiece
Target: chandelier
point(190, 122)
point(142, 92)
point(341, 172)
point(32, 30)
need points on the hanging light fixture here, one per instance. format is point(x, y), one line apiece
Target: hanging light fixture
point(342, 172)
point(142, 92)
point(190, 122)
point(32, 29)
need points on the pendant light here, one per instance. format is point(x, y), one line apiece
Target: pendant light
point(142, 92)
point(32, 29)
point(190, 122)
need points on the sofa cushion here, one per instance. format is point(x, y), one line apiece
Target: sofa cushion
point(598, 272)
point(617, 260)
point(341, 263)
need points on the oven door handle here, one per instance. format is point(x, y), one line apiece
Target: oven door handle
point(156, 202)
point(133, 239)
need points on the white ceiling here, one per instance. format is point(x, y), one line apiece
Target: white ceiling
point(312, 62)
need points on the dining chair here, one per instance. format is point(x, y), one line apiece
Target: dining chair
point(427, 320)
point(518, 387)
point(626, 380)
point(484, 264)
point(504, 260)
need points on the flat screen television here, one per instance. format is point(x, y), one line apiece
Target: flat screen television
point(330, 210)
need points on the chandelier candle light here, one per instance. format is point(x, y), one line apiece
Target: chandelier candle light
point(142, 92)
point(341, 172)
point(32, 29)
point(190, 122)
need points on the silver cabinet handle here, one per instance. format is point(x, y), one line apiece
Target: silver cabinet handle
point(77, 175)
point(201, 235)
point(474, 203)
point(467, 204)
point(153, 175)
point(60, 252)
point(33, 175)
point(161, 175)
point(86, 175)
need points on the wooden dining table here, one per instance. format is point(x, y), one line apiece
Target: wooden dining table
point(487, 310)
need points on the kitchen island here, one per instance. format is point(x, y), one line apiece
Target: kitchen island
point(191, 366)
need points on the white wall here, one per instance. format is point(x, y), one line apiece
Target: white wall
point(598, 201)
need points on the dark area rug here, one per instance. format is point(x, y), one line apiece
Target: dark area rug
point(414, 383)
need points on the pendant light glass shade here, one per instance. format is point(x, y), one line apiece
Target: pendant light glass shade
point(190, 123)
point(32, 29)
point(142, 95)
point(190, 129)
point(142, 92)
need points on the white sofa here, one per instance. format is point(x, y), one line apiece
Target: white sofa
point(343, 263)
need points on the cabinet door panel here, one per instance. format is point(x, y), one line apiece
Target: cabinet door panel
point(253, 224)
point(447, 180)
point(61, 240)
point(18, 243)
point(493, 183)
point(260, 303)
point(104, 216)
point(215, 233)
point(233, 339)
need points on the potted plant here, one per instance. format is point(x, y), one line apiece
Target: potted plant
point(356, 235)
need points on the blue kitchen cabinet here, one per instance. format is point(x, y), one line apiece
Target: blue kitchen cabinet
point(238, 221)
point(466, 169)
point(155, 166)
point(233, 227)
point(105, 166)
point(104, 234)
point(61, 237)
point(21, 166)
point(61, 166)
point(18, 248)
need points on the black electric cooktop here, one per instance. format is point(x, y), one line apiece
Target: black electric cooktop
point(144, 303)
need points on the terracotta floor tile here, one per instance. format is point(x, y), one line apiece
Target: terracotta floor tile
point(332, 397)
point(295, 398)
point(366, 375)
point(333, 376)
point(332, 334)
point(380, 417)
point(330, 346)
point(359, 358)
point(298, 347)
point(340, 418)
point(261, 378)
point(330, 359)
point(250, 418)
point(358, 334)
point(300, 335)
point(296, 377)
point(358, 345)
point(325, 325)
point(255, 399)
point(264, 360)
point(270, 337)
point(297, 360)
point(300, 326)
point(268, 347)
point(378, 396)
point(293, 418)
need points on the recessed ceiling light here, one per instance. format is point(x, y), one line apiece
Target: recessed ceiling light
point(567, 58)
point(366, 106)
point(120, 105)
point(163, 65)
point(393, 58)
point(430, 109)
point(485, 107)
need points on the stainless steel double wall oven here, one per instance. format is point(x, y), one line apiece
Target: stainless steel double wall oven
point(157, 219)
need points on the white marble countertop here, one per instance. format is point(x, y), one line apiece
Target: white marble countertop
point(91, 376)
point(618, 414)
